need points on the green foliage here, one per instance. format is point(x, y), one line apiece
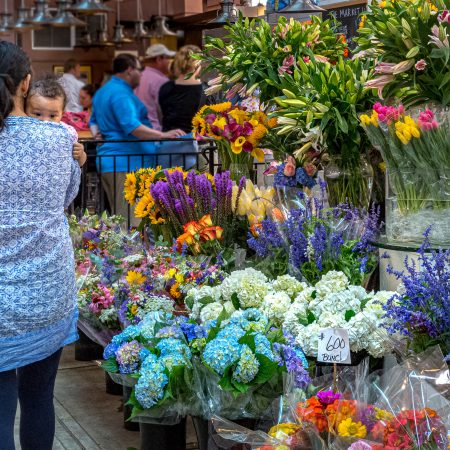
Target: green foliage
point(253, 52)
point(110, 365)
point(408, 31)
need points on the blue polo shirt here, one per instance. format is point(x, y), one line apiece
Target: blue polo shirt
point(117, 111)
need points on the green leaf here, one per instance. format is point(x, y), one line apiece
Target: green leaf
point(267, 369)
point(240, 387)
point(206, 300)
point(248, 339)
point(235, 301)
point(311, 317)
point(110, 365)
point(349, 314)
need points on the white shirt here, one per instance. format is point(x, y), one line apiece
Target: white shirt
point(72, 87)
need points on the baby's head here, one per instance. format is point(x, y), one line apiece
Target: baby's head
point(46, 100)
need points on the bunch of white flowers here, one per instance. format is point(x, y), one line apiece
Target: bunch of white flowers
point(290, 285)
point(333, 303)
point(249, 285)
point(275, 306)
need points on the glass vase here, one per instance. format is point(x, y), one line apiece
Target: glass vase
point(289, 198)
point(239, 170)
point(351, 182)
point(416, 200)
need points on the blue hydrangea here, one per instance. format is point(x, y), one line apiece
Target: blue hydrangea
point(174, 359)
point(221, 353)
point(151, 362)
point(110, 350)
point(144, 353)
point(149, 389)
point(130, 333)
point(231, 331)
point(169, 346)
point(169, 331)
point(193, 331)
point(127, 357)
point(262, 346)
point(247, 367)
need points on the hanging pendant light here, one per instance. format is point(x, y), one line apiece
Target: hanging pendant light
point(227, 13)
point(160, 27)
point(119, 36)
point(90, 7)
point(64, 18)
point(302, 6)
point(102, 38)
point(140, 31)
point(20, 24)
point(5, 24)
point(41, 14)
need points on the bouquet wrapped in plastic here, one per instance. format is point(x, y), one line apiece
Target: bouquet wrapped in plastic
point(242, 364)
point(154, 358)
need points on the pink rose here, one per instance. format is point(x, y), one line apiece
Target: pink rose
point(290, 167)
point(310, 169)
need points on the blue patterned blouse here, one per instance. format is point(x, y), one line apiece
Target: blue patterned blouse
point(38, 179)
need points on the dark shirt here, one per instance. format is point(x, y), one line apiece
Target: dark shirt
point(179, 103)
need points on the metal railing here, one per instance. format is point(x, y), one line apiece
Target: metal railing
point(96, 196)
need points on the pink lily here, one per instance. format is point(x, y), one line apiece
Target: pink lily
point(379, 83)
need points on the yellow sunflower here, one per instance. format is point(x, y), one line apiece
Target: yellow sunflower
point(144, 206)
point(129, 188)
point(258, 133)
point(220, 107)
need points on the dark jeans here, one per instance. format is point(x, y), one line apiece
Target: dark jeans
point(33, 386)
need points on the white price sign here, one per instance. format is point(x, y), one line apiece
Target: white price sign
point(334, 346)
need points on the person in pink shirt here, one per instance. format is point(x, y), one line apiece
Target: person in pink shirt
point(157, 60)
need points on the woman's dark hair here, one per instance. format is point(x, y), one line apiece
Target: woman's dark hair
point(123, 62)
point(48, 87)
point(14, 67)
point(89, 88)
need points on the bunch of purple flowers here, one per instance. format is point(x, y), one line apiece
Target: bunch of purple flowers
point(422, 311)
point(313, 240)
point(182, 200)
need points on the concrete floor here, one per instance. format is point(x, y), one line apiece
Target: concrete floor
point(86, 417)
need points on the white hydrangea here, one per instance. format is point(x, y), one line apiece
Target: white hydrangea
point(308, 338)
point(296, 313)
point(305, 296)
point(211, 311)
point(335, 303)
point(288, 284)
point(234, 282)
point(158, 303)
point(330, 319)
point(359, 292)
point(250, 285)
point(275, 305)
point(331, 282)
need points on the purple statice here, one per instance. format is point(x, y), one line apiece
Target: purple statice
point(422, 311)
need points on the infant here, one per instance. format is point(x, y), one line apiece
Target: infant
point(46, 101)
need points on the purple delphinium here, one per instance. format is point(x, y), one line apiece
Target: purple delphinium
point(423, 310)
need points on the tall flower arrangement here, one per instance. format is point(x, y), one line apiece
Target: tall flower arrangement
point(236, 131)
point(410, 41)
point(319, 111)
point(256, 56)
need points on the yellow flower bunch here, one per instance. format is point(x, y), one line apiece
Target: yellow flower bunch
point(137, 192)
point(406, 130)
point(255, 203)
point(370, 120)
point(239, 131)
point(135, 278)
point(348, 428)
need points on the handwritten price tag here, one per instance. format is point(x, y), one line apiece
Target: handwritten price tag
point(334, 346)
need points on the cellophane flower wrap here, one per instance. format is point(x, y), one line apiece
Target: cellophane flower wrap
point(242, 362)
point(310, 240)
point(401, 407)
point(101, 246)
point(155, 358)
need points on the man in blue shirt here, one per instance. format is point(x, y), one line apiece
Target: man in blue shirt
point(119, 114)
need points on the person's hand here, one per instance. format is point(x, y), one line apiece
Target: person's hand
point(79, 154)
point(173, 134)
